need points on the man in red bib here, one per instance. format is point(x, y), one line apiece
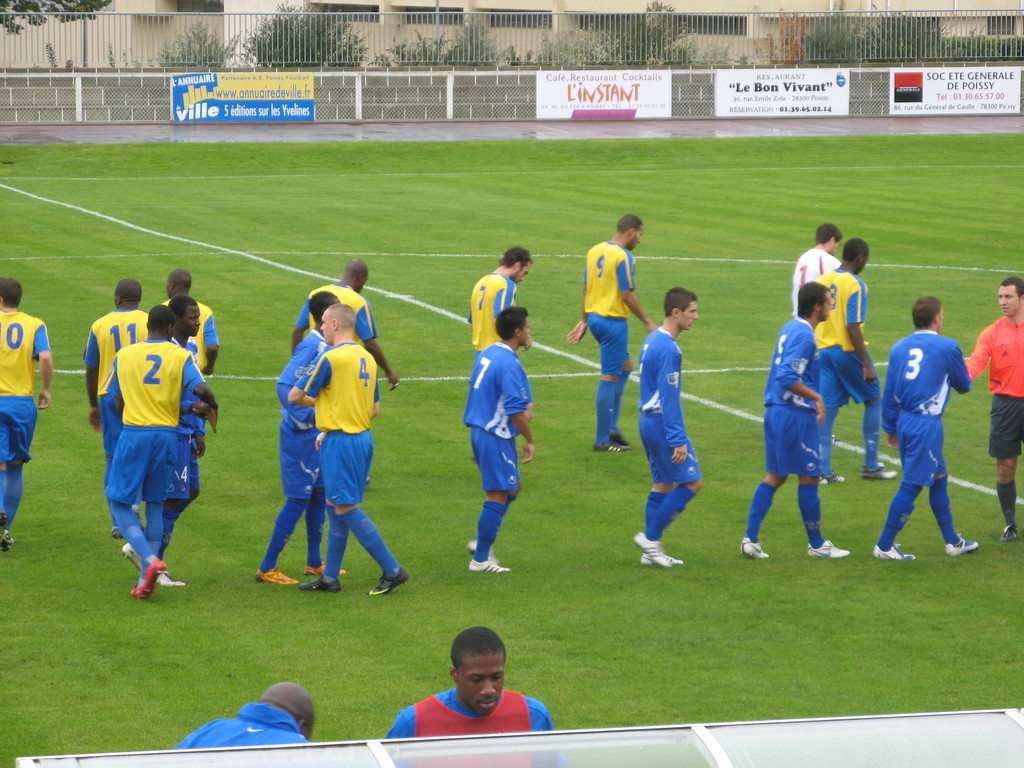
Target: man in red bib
point(478, 703)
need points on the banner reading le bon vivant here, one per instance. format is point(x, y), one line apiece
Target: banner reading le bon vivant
point(603, 94)
point(782, 92)
point(960, 91)
point(251, 97)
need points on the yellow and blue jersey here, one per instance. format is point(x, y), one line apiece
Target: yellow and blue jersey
point(849, 297)
point(491, 294)
point(117, 329)
point(610, 270)
point(207, 335)
point(344, 383)
point(22, 338)
point(365, 328)
point(149, 377)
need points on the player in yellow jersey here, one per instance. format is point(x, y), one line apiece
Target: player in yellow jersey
point(847, 371)
point(125, 325)
point(342, 388)
point(609, 295)
point(495, 292)
point(23, 339)
point(179, 283)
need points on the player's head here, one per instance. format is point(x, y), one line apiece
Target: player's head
point(1016, 282)
point(356, 275)
point(629, 230)
point(318, 302)
point(10, 292)
point(339, 321)
point(855, 255)
point(518, 261)
point(161, 322)
point(186, 315)
point(828, 238)
point(510, 320)
point(1010, 292)
point(179, 281)
point(295, 700)
point(925, 310)
point(128, 291)
point(478, 669)
point(680, 309)
point(810, 296)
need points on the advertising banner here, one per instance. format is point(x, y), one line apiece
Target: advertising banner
point(604, 94)
point(227, 97)
point(782, 92)
point(954, 91)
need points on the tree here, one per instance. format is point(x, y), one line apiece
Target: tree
point(292, 38)
point(13, 11)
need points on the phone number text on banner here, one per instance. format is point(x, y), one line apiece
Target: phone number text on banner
point(603, 94)
point(964, 90)
point(782, 92)
point(252, 97)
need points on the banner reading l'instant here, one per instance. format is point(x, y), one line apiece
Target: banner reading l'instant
point(604, 94)
point(212, 97)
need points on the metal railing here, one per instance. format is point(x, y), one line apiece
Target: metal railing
point(474, 39)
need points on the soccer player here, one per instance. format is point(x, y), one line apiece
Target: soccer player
point(847, 370)
point(283, 715)
point(674, 466)
point(922, 368)
point(499, 407)
point(609, 295)
point(179, 283)
point(1002, 343)
point(494, 292)
point(301, 476)
point(793, 412)
point(349, 292)
point(23, 339)
point(479, 703)
point(148, 380)
point(342, 387)
point(125, 325)
point(818, 260)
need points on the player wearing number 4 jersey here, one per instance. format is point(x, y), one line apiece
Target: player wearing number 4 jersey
point(922, 369)
point(23, 339)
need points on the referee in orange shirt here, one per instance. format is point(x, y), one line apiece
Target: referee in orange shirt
point(1002, 345)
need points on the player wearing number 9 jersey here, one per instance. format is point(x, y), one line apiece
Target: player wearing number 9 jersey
point(22, 339)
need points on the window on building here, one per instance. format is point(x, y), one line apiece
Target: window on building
point(344, 8)
point(200, 6)
point(1000, 25)
point(519, 19)
point(415, 14)
point(714, 24)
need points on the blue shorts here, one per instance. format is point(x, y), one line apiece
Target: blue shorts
point(186, 469)
point(921, 441)
point(110, 423)
point(842, 378)
point(345, 460)
point(143, 465)
point(792, 444)
point(497, 459)
point(18, 415)
point(300, 462)
point(612, 333)
point(659, 453)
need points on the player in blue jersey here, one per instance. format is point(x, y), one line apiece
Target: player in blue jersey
point(283, 715)
point(923, 369)
point(342, 387)
point(301, 476)
point(494, 292)
point(609, 295)
point(23, 340)
point(674, 466)
point(179, 283)
point(499, 407)
point(794, 410)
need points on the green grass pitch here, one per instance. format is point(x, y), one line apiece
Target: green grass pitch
point(602, 640)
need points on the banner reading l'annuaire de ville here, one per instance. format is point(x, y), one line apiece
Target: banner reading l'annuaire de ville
point(225, 97)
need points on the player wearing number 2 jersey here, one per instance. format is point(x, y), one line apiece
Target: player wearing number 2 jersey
point(923, 368)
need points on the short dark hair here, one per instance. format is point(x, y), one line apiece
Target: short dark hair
point(1016, 282)
point(320, 301)
point(10, 291)
point(510, 320)
point(179, 304)
point(180, 278)
point(826, 232)
point(128, 290)
point(629, 221)
point(854, 248)
point(810, 295)
point(473, 642)
point(516, 255)
point(160, 317)
point(678, 298)
point(925, 310)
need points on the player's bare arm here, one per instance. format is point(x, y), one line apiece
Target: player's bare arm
point(631, 301)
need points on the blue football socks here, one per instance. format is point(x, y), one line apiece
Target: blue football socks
point(900, 509)
point(671, 506)
point(337, 543)
point(14, 489)
point(491, 515)
point(938, 497)
point(315, 514)
point(759, 506)
point(605, 409)
point(654, 500)
point(872, 426)
point(810, 510)
point(285, 523)
point(367, 535)
point(131, 529)
point(620, 389)
point(826, 440)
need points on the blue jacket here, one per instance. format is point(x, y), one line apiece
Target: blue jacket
point(256, 725)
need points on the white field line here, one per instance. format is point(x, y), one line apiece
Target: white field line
point(429, 307)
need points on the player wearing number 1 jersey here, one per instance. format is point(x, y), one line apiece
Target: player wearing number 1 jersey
point(124, 326)
point(23, 339)
point(495, 292)
point(923, 368)
point(818, 260)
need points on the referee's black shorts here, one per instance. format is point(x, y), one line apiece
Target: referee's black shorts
point(1006, 433)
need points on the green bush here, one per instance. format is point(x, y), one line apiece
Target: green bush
point(292, 38)
point(198, 46)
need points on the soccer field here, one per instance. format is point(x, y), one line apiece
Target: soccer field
point(600, 639)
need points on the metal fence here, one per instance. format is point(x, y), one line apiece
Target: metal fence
point(475, 39)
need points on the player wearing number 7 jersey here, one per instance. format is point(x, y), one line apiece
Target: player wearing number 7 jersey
point(495, 292)
point(922, 369)
point(124, 326)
